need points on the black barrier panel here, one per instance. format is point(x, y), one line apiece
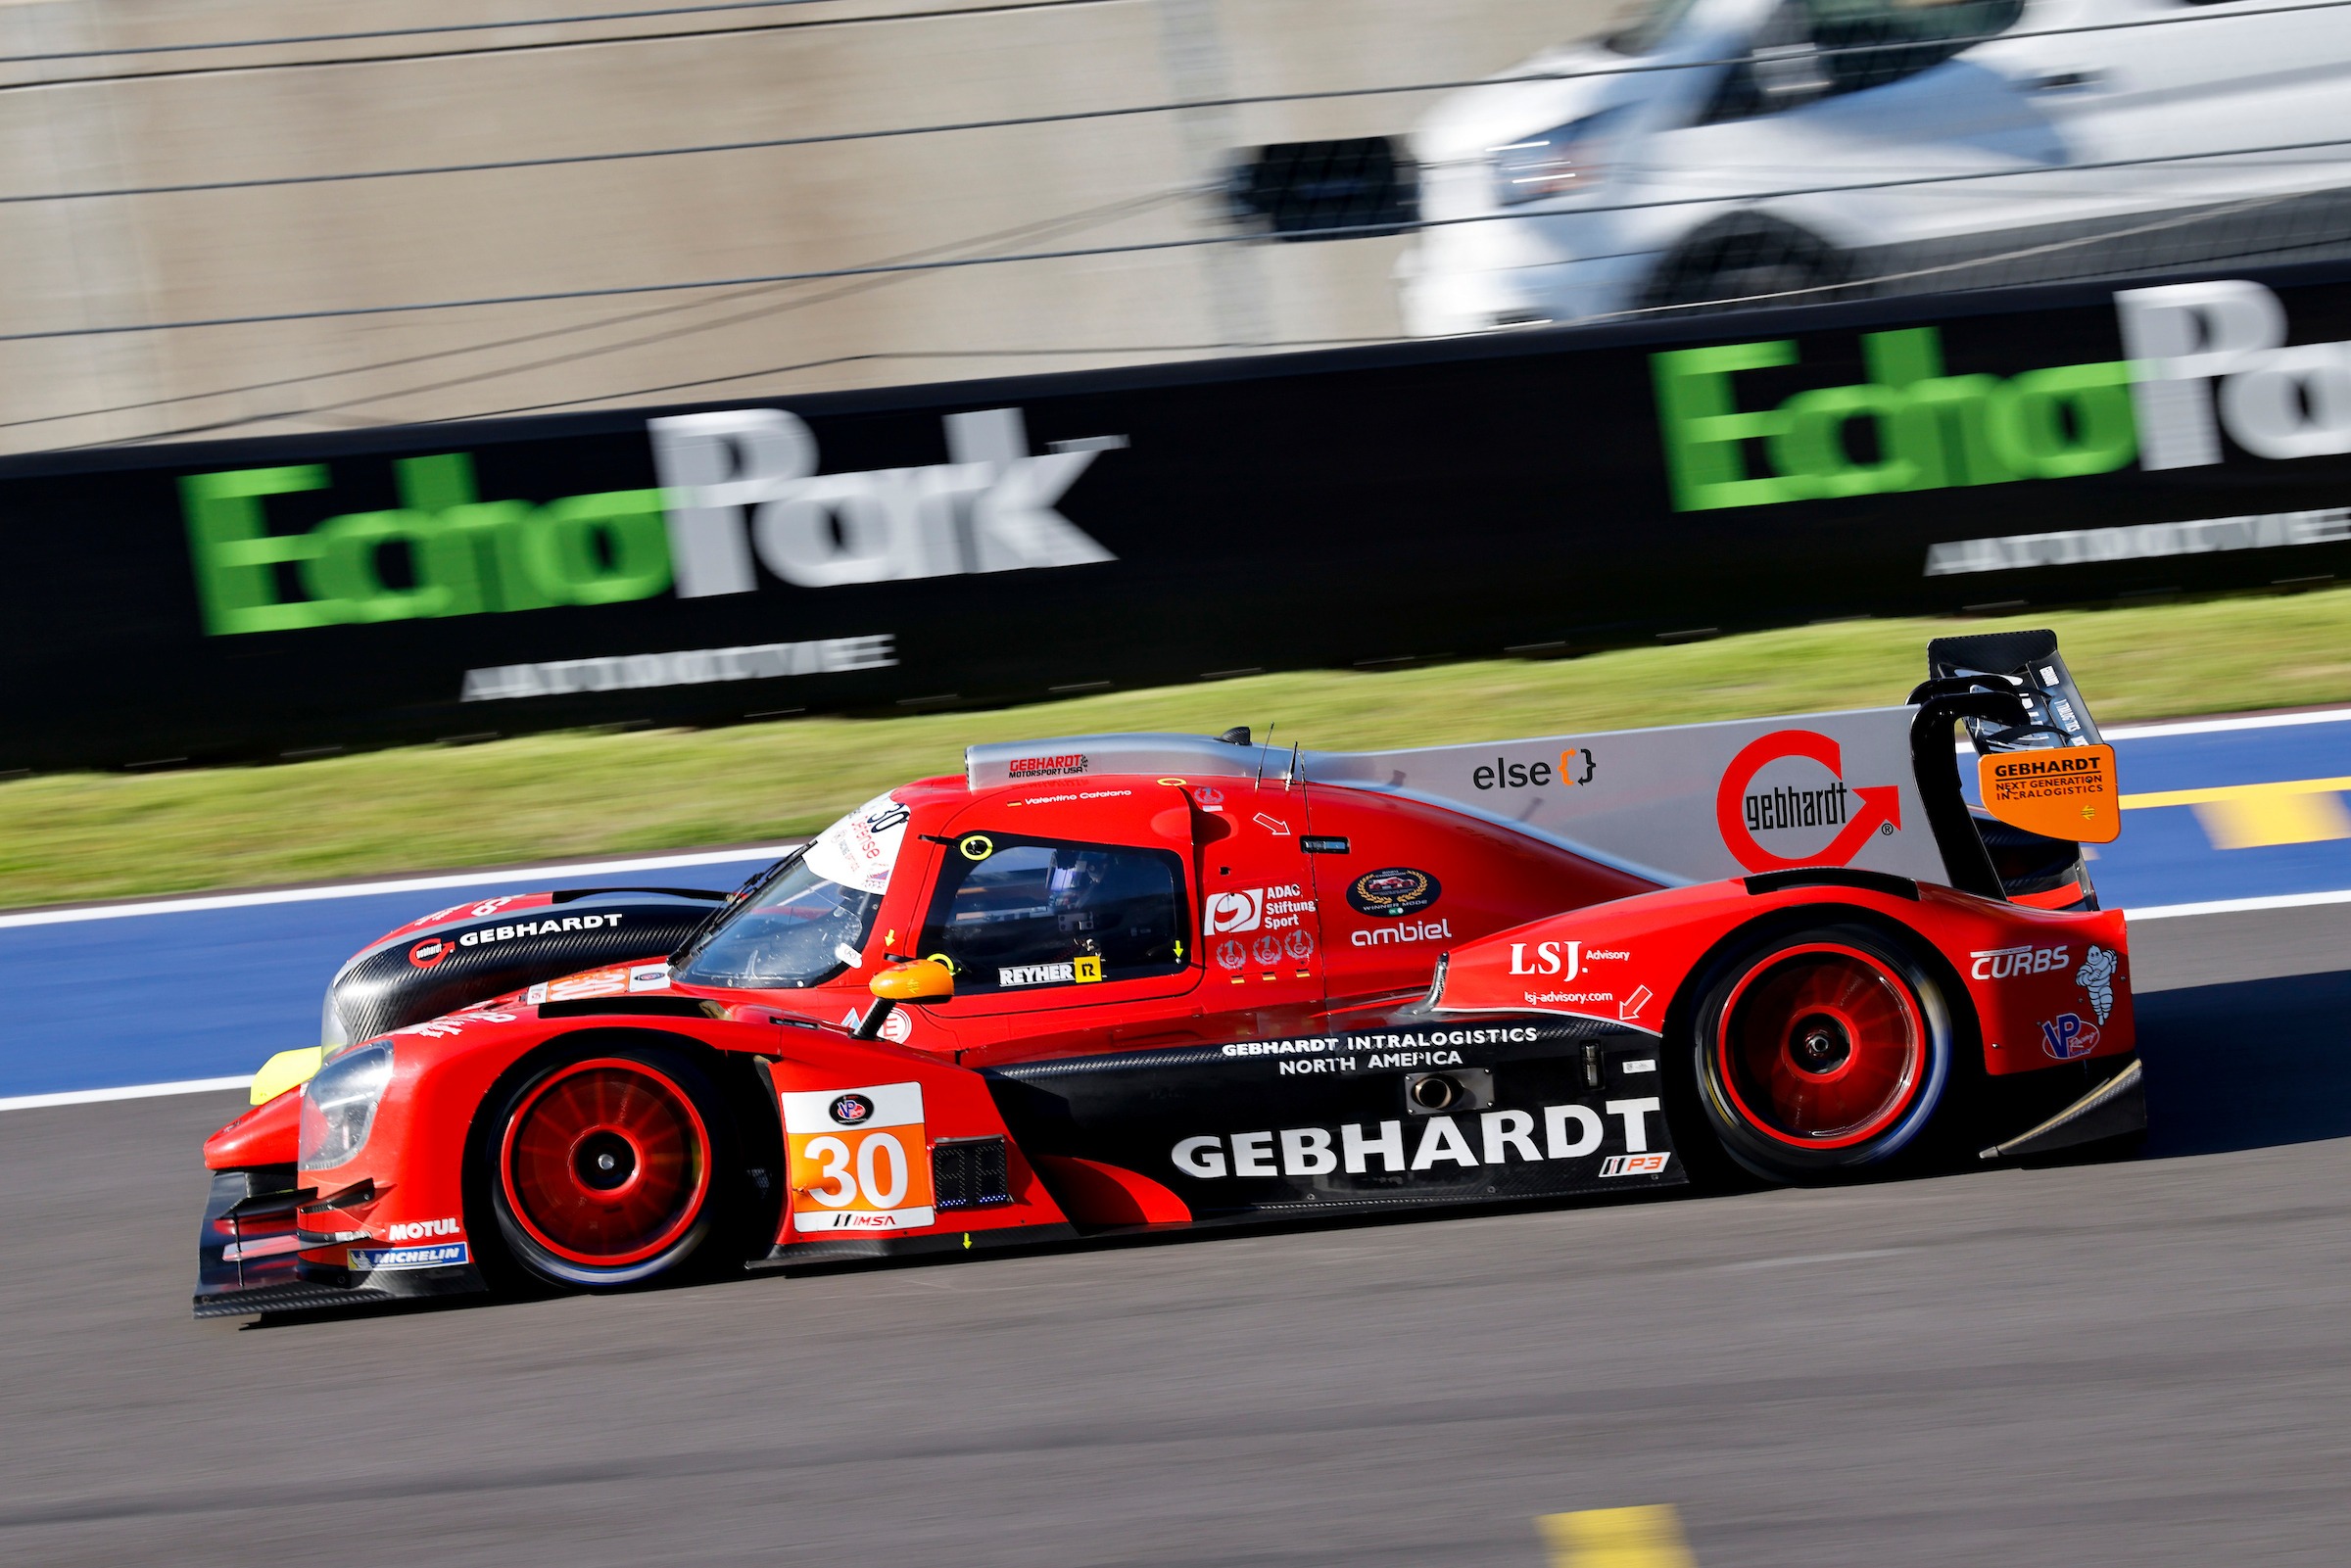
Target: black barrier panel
point(992, 541)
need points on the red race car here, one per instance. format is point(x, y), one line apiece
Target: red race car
point(1140, 981)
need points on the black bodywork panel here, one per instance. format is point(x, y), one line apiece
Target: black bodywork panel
point(1539, 1107)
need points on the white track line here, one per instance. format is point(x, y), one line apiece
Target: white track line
point(138, 1091)
point(2225, 906)
point(2239, 906)
point(2265, 721)
point(406, 885)
point(612, 868)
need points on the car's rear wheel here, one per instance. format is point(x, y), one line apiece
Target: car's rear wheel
point(1822, 1052)
point(1748, 257)
point(608, 1167)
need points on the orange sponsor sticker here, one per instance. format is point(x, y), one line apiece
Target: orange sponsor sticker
point(2063, 793)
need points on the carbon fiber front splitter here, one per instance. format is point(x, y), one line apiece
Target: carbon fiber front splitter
point(330, 1295)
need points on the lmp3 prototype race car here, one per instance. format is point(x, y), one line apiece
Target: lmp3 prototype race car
point(1134, 982)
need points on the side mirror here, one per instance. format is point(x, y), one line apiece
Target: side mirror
point(920, 981)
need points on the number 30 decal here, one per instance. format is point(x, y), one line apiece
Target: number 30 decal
point(857, 1159)
point(879, 1176)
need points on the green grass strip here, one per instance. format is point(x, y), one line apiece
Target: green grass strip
point(71, 836)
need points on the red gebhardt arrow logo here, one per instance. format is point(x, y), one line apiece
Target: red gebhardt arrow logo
point(1878, 806)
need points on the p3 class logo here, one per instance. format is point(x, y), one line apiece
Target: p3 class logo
point(851, 1110)
point(1392, 893)
point(432, 950)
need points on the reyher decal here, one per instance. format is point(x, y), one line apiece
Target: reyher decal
point(1082, 971)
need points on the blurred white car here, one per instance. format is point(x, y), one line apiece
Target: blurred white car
point(1736, 149)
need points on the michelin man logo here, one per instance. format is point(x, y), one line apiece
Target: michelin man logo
point(2096, 977)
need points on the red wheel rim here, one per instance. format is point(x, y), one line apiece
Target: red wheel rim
point(605, 1162)
point(1821, 1047)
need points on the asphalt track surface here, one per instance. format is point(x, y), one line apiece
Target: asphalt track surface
point(2137, 1363)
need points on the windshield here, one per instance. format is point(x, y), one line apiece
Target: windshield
point(807, 920)
point(1640, 27)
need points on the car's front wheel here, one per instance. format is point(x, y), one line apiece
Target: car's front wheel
point(1823, 1052)
point(607, 1167)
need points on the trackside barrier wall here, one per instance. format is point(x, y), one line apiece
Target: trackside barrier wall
point(1534, 493)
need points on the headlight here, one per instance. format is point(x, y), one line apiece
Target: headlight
point(1561, 162)
point(338, 1107)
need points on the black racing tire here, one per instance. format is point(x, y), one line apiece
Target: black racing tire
point(1830, 1051)
point(611, 1164)
point(1749, 256)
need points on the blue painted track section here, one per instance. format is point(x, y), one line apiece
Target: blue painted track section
point(2164, 857)
point(185, 994)
point(209, 993)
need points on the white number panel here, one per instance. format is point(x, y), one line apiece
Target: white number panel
point(856, 1158)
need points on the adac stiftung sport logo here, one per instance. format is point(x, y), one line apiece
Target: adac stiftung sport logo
point(1803, 809)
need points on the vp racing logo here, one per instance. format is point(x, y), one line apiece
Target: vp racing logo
point(1799, 815)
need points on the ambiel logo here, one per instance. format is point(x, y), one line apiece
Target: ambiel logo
point(733, 483)
point(1932, 430)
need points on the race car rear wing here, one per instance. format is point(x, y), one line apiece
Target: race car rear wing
point(1873, 789)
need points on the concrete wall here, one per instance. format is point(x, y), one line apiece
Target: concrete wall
point(130, 259)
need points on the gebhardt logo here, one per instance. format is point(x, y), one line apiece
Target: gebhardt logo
point(1857, 812)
